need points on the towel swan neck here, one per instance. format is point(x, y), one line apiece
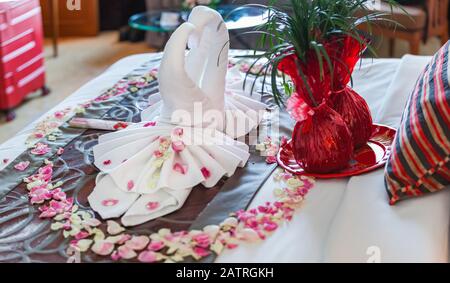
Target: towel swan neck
point(198, 77)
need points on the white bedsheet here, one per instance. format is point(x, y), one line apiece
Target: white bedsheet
point(340, 219)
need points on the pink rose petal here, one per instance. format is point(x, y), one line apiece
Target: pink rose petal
point(110, 202)
point(180, 168)
point(40, 149)
point(147, 257)
point(5, 161)
point(60, 151)
point(130, 185)
point(59, 114)
point(126, 252)
point(201, 252)
point(82, 235)
point(205, 172)
point(158, 154)
point(178, 131)
point(270, 226)
point(156, 246)
point(271, 159)
point(103, 248)
point(178, 146)
point(150, 124)
point(107, 162)
point(137, 243)
point(22, 166)
point(202, 240)
point(152, 205)
point(114, 228)
point(124, 239)
point(115, 256)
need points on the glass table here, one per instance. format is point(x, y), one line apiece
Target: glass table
point(235, 17)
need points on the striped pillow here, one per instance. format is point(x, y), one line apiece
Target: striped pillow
point(419, 162)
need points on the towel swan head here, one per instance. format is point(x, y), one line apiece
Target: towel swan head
point(198, 78)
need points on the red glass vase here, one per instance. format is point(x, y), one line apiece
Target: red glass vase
point(344, 53)
point(322, 143)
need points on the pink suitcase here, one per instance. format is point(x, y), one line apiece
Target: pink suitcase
point(21, 51)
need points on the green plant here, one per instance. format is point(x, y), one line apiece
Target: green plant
point(301, 27)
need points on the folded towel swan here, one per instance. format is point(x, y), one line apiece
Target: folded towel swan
point(149, 169)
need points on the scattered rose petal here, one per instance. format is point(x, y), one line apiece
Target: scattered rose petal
point(150, 124)
point(22, 166)
point(152, 205)
point(248, 225)
point(40, 149)
point(115, 256)
point(178, 132)
point(82, 235)
point(156, 246)
point(158, 154)
point(110, 202)
point(107, 162)
point(249, 235)
point(102, 248)
point(202, 240)
point(178, 146)
point(180, 168)
point(231, 222)
point(84, 245)
point(217, 247)
point(212, 230)
point(59, 114)
point(205, 172)
point(271, 160)
point(270, 226)
point(148, 257)
point(114, 228)
point(5, 161)
point(93, 222)
point(130, 185)
point(60, 151)
point(201, 252)
point(120, 126)
point(126, 253)
point(137, 242)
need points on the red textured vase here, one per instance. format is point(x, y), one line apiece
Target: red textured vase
point(310, 84)
point(322, 143)
point(344, 52)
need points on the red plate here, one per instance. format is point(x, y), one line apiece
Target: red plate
point(367, 158)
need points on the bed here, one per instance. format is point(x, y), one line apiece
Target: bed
point(342, 220)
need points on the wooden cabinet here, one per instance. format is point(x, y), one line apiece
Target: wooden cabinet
point(83, 22)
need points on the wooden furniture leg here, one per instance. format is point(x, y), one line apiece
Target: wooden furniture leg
point(414, 42)
point(54, 7)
